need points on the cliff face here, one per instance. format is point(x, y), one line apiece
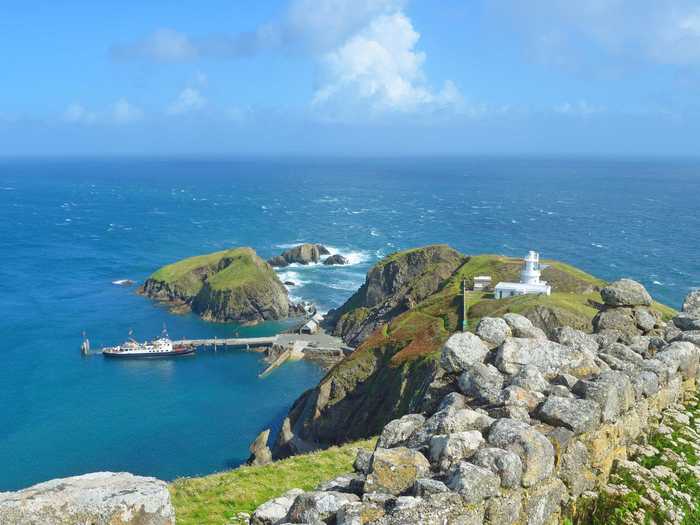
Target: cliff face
point(234, 285)
point(408, 307)
point(395, 285)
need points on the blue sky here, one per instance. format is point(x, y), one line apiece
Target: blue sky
point(350, 77)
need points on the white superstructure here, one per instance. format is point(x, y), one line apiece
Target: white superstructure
point(530, 282)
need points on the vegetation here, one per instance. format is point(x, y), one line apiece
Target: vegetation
point(219, 499)
point(639, 491)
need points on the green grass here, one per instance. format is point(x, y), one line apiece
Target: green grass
point(218, 498)
point(245, 268)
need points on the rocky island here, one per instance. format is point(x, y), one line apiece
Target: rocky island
point(231, 285)
point(306, 254)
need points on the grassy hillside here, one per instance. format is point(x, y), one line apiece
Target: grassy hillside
point(217, 499)
point(244, 268)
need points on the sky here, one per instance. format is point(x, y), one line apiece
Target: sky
point(350, 77)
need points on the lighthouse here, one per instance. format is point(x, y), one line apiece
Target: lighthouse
point(530, 281)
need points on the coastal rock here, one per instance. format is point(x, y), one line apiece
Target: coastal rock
point(548, 357)
point(504, 463)
point(611, 390)
point(482, 382)
point(462, 350)
point(335, 259)
point(473, 483)
point(306, 253)
point(448, 449)
point(493, 331)
point(260, 453)
point(530, 378)
point(397, 431)
point(521, 326)
point(427, 486)
point(274, 511)
point(317, 506)
point(100, 498)
point(575, 339)
point(687, 321)
point(534, 450)
point(578, 415)
point(683, 356)
point(625, 292)
point(395, 470)
point(691, 304)
point(277, 261)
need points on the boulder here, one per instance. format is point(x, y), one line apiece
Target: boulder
point(493, 331)
point(548, 357)
point(335, 259)
point(274, 511)
point(351, 483)
point(449, 421)
point(687, 321)
point(317, 506)
point(260, 453)
point(504, 463)
point(473, 483)
point(427, 486)
point(625, 292)
point(453, 400)
point(619, 320)
point(543, 502)
point(521, 326)
point(578, 415)
point(461, 351)
point(645, 318)
point(397, 431)
point(277, 261)
point(530, 378)
point(683, 356)
point(532, 447)
point(363, 461)
point(482, 382)
point(575, 339)
point(516, 396)
point(574, 469)
point(395, 470)
point(611, 390)
point(100, 498)
point(449, 449)
point(691, 305)
point(305, 253)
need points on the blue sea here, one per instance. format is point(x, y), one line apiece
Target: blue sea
point(70, 228)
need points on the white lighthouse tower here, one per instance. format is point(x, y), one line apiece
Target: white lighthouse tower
point(530, 282)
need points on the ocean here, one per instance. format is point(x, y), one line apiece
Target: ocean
point(70, 228)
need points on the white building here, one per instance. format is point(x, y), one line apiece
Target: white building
point(530, 282)
point(482, 282)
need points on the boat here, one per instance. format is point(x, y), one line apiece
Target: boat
point(160, 347)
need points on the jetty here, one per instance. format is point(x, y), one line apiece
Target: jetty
point(239, 342)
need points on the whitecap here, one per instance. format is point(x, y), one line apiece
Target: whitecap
point(597, 245)
point(657, 283)
point(373, 232)
point(7, 188)
point(352, 256)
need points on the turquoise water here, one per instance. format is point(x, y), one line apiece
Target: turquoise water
point(70, 228)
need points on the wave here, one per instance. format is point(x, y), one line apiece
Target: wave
point(7, 188)
point(352, 256)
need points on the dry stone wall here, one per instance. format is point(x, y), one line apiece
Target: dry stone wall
point(535, 426)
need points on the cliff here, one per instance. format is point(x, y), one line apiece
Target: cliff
point(407, 308)
point(231, 285)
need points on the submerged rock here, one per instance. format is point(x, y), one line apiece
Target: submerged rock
point(100, 498)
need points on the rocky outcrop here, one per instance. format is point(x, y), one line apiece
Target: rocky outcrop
point(101, 498)
point(393, 286)
point(303, 254)
point(235, 285)
point(627, 312)
point(335, 260)
point(522, 441)
point(260, 453)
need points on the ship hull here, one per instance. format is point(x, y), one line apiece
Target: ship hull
point(149, 355)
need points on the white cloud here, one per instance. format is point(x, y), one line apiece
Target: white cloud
point(562, 31)
point(77, 114)
point(163, 45)
point(579, 108)
point(380, 66)
point(189, 100)
point(123, 112)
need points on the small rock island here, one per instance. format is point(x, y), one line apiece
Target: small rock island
point(304, 254)
point(231, 285)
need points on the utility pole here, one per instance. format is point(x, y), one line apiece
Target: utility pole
point(465, 322)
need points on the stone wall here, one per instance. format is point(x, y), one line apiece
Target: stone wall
point(534, 425)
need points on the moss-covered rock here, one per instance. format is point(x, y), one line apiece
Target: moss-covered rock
point(231, 285)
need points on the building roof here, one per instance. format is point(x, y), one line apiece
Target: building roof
point(522, 287)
